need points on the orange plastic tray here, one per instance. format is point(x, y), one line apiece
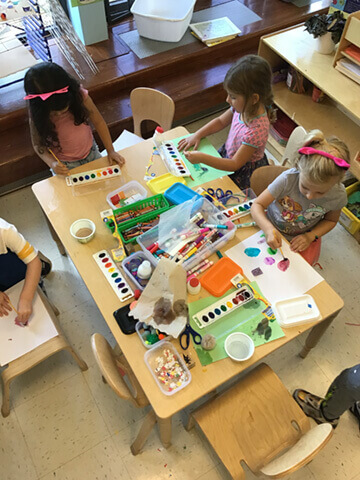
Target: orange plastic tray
point(217, 280)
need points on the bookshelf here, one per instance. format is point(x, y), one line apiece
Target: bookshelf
point(338, 115)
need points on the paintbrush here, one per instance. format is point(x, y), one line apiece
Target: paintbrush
point(12, 306)
point(282, 253)
point(53, 154)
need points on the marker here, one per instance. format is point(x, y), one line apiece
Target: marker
point(224, 227)
point(247, 224)
point(202, 269)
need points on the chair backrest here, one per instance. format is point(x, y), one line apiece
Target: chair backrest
point(253, 421)
point(114, 369)
point(295, 141)
point(263, 176)
point(150, 104)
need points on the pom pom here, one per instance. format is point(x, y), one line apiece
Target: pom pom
point(208, 342)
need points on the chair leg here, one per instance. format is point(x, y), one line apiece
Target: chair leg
point(145, 430)
point(5, 409)
point(190, 423)
point(83, 366)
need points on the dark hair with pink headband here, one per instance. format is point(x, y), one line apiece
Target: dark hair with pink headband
point(322, 158)
point(49, 88)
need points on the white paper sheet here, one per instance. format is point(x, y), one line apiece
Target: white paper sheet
point(298, 279)
point(15, 341)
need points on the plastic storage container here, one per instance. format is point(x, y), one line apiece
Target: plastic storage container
point(137, 255)
point(212, 215)
point(163, 20)
point(180, 193)
point(140, 330)
point(133, 192)
point(296, 311)
point(151, 359)
point(347, 218)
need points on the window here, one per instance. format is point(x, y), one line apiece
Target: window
point(117, 9)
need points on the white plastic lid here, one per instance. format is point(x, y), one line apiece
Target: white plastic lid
point(144, 270)
point(297, 310)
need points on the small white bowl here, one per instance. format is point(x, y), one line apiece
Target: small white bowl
point(239, 346)
point(78, 225)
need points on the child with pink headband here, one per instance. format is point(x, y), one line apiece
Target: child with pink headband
point(304, 202)
point(60, 115)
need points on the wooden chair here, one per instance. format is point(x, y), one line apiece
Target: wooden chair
point(114, 367)
point(150, 104)
point(296, 140)
point(34, 357)
point(254, 422)
point(263, 176)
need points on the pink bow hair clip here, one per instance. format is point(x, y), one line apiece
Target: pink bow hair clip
point(312, 151)
point(45, 96)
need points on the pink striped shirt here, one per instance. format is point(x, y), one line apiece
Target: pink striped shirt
point(75, 140)
point(254, 134)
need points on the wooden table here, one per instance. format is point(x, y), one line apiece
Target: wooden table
point(62, 209)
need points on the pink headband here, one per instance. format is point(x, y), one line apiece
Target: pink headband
point(312, 151)
point(45, 96)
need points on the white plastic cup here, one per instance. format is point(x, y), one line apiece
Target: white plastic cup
point(82, 224)
point(239, 346)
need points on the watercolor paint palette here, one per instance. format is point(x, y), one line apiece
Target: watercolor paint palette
point(238, 211)
point(92, 176)
point(173, 160)
point(113, 276)
point(223, 307)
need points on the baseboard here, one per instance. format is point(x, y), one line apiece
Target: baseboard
point(24, 182)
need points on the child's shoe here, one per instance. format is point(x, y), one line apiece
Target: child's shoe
point(46, 265)
point(311, 405)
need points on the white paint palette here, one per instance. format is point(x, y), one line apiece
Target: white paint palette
point(113, 275)
point(93, 176)
point(223, 307)
point(173, 160)
point(238, 211)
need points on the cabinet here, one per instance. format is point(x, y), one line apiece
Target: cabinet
point(338, 115)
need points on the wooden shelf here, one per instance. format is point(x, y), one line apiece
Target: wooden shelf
point(274, 147)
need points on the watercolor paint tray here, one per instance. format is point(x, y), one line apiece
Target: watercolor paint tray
point(296, 311)
point(223, 307)
point(238, 211)
point(172, 158)
point(92, 176)
point(113, 276)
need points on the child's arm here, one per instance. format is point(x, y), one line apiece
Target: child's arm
point(214, 126)
point(5, 307)
point(242, 156)
point(59, 169)
point(258, 208)
point(32, 277)
point(301, 242)
point(99, 123)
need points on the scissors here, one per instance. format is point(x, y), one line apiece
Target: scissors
point(220, 195)
point(186, 334)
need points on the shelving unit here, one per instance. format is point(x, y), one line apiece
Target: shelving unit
point(338, 115)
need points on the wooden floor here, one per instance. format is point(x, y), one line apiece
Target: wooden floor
point(192, 75)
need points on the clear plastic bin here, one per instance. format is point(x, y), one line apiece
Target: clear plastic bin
point(151, 361)
point(139, 328)
point(131, 189)
point(212, 215)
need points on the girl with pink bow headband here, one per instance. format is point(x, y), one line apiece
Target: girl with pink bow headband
point(61, 113)
point(314, 185)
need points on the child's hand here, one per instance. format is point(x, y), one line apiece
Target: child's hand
point(116, 157)
point(5, 307)
point(300, 243)
point(194, 156)
point(24, 311)
point(188, 142)
point(59, 169)
point(272, 239)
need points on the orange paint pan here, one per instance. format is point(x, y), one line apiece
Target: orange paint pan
point(217, 280)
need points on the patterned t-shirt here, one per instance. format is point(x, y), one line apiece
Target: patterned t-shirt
point(254, 134)
point(292, 213)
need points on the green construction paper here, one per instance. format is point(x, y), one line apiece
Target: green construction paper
point(196, 171)
point(244, 319)
point(354, 197)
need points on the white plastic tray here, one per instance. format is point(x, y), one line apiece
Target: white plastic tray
point(296, 311)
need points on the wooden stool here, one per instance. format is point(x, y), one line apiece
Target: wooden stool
point(32, 358)
point(254, 422)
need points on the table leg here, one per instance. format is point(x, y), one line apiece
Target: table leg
point(55, 237)
point(316, 333)
point(165, 431)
